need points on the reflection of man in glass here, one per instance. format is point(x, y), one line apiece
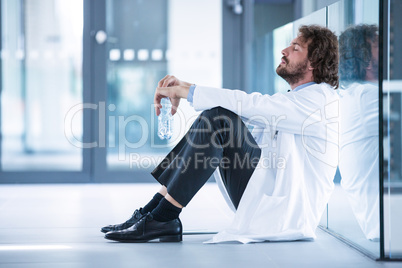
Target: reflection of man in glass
point(359, 157)
point(276, 178)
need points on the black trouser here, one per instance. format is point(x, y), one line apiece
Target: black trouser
point(218, 137)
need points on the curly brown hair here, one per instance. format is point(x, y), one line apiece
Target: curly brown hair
point(355, 51)
point(322, 53)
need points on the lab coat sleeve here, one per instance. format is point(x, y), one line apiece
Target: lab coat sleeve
point(369, 110)
point(301, 112)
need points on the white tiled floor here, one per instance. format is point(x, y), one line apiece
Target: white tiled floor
point(58, 226)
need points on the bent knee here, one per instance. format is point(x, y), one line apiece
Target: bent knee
point(218, 111)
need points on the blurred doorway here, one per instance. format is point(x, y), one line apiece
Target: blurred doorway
point(77, 81)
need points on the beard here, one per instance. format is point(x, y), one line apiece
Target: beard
point(292, 73)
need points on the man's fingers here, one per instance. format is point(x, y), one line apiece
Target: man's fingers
point(160, 93)
point(167, 88)
point(157, 105)
point(163, 80)
point(160, 83)
point(158, 110)
point(163, 92)
point(157, 102)
point(164, 84)
point(170, 81)
point(173, 110)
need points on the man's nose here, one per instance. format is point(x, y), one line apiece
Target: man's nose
point(284, 52)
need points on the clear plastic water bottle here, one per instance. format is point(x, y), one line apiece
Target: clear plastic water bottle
point(165, 120)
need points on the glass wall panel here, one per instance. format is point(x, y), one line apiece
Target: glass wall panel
point(267, 17)
point(392, 109)
point(146, 41)
point(41, 82)
point(353, 210)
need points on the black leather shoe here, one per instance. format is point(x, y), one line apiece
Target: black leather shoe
point(128, 223)
point(147, 229)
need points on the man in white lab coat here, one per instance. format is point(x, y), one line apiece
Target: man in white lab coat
point(277, 177)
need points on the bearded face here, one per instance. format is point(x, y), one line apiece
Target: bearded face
point(292, 72)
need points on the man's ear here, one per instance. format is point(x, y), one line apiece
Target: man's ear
point(309, 66)
point(370, 65)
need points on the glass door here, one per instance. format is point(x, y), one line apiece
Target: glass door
point(42, 91)
point(391, 84)
point(78, 79)
point(135, 44)
point(354, 209)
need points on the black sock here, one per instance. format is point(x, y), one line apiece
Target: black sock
point(152, 204)
point(165, 211)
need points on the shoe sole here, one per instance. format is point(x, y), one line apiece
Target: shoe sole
point(166, 238)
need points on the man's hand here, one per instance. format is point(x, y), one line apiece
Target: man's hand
point(173, 88)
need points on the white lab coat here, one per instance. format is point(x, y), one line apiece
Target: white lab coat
point(359, 157)
point(289, 189)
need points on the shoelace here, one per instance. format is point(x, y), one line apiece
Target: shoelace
point(130, 219)
point(143, 218)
